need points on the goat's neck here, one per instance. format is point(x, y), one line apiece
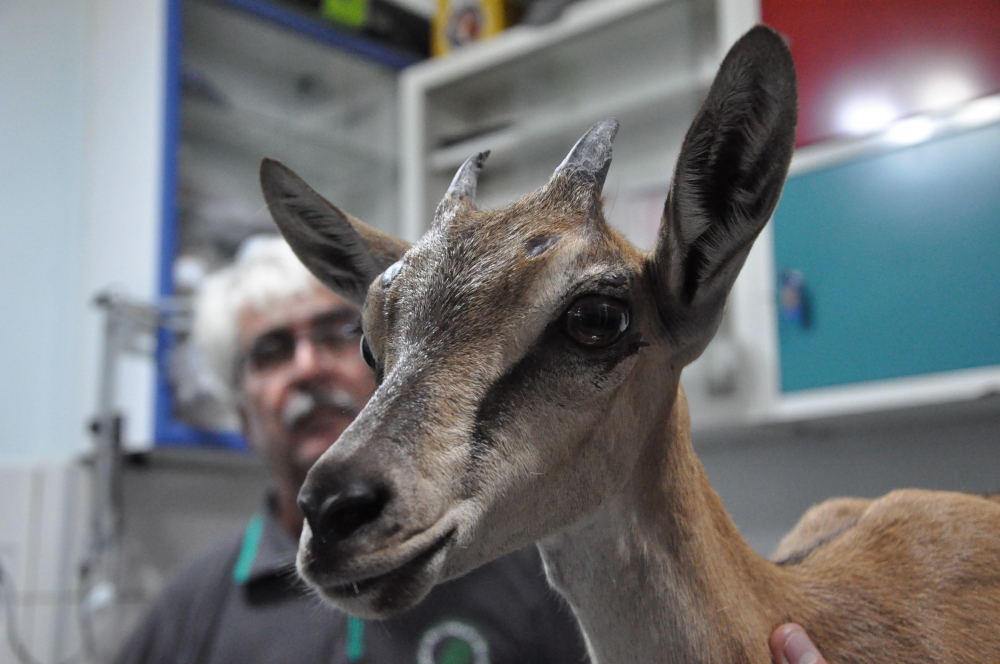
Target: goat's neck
point(660, 573)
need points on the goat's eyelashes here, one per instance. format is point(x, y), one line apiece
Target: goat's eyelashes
point(366, 353)
point(596, 321)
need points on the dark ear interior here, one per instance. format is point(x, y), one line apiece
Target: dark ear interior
point(729, 175)
point(343, 253)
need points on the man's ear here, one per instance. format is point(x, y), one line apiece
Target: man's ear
point(343, 253)
point(729, 176)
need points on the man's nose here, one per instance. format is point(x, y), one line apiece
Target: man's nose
point(309, 359)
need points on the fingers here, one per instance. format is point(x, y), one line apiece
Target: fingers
point(791, 645)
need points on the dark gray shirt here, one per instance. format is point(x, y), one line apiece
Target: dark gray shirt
point(243, 603)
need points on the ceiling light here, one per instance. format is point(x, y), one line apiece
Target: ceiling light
point(913, 130)
point(866, 115)
point(945, 91)
point(978, 112)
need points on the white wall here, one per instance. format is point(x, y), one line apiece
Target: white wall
point(81, 87)
point(123, 188)
point(42, 138)
point(81, 107)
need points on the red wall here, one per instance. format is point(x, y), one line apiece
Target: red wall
point(885, 57)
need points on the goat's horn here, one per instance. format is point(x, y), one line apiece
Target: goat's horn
point(464, 184)
point(591, 156)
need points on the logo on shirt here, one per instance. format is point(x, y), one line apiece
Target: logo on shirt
point(453, 642)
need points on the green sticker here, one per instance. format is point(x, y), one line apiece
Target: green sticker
point(454, 651)
point(453, 642)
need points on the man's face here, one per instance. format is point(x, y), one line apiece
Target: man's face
point(302, 380)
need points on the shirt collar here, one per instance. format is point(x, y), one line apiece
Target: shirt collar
point(267, 550)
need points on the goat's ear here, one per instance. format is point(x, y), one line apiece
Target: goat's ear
point(729, 175)
point(343, 253)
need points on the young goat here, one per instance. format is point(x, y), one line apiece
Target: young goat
point(529, 362)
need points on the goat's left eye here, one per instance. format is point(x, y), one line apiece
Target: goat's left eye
point(596, 321)
point(366, 353)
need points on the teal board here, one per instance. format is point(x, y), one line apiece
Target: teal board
point(900, 255)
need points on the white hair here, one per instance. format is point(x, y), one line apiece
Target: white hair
point(266, 275)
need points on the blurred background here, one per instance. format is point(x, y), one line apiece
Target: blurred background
point(860, 350)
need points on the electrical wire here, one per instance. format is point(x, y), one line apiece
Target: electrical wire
point(84, 614)
point(13, 634)
point(14, 640)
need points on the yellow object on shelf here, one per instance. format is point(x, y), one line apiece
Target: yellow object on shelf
point(460, 22)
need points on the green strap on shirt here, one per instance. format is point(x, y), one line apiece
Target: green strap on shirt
point(248, 551)
point(355, 638)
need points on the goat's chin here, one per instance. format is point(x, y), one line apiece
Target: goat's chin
point(395, 582)
point(386, 596)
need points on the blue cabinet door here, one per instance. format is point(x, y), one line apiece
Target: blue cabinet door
point(898, 256)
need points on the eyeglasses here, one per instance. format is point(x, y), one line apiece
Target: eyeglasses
point(335, 332)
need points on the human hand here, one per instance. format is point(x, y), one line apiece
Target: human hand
point(791, 645)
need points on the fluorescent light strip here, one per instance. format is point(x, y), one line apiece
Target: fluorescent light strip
point(908, 131)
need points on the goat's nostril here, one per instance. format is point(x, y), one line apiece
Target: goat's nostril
point(334, 516)
point(309, 503)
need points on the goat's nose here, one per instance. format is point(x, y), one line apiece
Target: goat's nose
point(334, 515)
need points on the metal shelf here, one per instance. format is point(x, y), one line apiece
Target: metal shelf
point(522, 134)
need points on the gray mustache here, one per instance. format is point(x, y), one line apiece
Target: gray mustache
point(303, 403)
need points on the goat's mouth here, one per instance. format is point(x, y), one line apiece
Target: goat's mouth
point(398, 581)
point(395, 576)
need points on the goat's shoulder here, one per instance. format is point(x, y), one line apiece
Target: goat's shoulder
point(940, 520)
point(937, 549)
point(933, 517)
point(819, 526)
point(922, 528)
